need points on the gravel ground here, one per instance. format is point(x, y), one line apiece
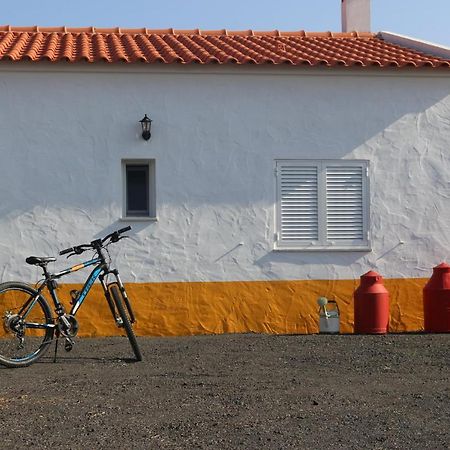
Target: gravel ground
point(234, 392)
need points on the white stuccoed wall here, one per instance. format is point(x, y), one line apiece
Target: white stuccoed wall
point(216, 133)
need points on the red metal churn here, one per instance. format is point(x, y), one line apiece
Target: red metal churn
point(371, 305)
point(436, 300)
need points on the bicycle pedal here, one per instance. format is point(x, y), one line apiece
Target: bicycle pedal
point(68, 346)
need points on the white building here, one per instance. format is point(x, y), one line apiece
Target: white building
point(281, 167)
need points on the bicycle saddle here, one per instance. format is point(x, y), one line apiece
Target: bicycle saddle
point(39, 261)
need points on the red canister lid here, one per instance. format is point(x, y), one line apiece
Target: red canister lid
point(371, 277)
point(442, 267)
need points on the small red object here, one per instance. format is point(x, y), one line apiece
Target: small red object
point(371, 305)
point(436, 300)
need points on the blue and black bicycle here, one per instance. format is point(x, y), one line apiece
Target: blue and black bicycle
point(29, 326)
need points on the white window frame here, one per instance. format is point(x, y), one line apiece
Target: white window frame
point(322, 243)
point(150, 163)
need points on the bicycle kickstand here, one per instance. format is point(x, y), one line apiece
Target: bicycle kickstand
point(56, 346)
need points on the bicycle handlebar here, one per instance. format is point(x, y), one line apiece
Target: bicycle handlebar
point(79, 249)
point(65, 251)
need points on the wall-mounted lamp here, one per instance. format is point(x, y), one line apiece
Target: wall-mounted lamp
point(146, 124)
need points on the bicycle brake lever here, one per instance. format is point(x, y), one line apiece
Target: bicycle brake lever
point(118, 238)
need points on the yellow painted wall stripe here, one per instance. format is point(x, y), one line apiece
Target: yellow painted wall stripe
point(280, 307)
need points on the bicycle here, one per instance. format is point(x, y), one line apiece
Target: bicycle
point(28, 325)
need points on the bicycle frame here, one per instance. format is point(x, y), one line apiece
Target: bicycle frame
point(101, 271)
point(50, 283)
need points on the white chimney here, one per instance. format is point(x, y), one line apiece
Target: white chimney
point(355, 15)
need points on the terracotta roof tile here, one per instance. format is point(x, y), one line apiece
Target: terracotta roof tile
point(117, 45)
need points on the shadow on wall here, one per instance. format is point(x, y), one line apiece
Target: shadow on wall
point(136, 227)
point(304, 259)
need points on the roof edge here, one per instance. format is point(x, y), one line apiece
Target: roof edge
point(196, 31)
point(427, 47)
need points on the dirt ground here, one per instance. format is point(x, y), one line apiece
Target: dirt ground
point(234, 392)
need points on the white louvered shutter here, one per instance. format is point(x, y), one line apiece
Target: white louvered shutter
point(298, 202)
point(322, 204)
point(344, 203)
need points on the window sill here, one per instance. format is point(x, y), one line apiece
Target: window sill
point(323, 249)
point(138, 219)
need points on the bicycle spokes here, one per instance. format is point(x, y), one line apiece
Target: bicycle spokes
point(25, 327)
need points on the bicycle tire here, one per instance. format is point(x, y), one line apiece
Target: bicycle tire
point(13, 295)
point(119, 302)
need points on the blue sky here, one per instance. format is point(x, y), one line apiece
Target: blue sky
point(424, 19)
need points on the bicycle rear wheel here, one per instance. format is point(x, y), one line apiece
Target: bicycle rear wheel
point(119, 303)
point(26, 320)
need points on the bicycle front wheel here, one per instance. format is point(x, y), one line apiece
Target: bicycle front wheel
point(119, 303)
point(27, 325)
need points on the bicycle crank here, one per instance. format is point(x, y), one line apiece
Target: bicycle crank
point(67, 326)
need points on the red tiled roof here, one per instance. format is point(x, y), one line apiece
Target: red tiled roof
point(169, 46)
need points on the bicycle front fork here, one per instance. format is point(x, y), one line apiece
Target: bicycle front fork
point(119, 284)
